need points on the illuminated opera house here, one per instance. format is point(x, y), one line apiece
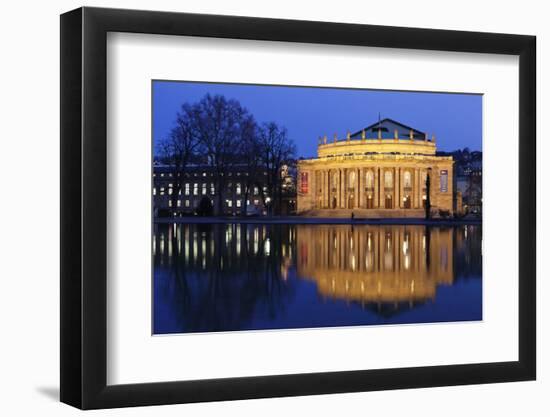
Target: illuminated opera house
point(379, 171)
point(376, 265)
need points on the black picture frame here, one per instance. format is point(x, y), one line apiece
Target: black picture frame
point(84, 207)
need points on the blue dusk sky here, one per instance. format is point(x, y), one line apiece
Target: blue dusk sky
point(307, 113)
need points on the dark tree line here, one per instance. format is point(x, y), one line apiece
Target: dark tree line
point(222, 134)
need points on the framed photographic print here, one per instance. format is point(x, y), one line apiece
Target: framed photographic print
point(257, 208)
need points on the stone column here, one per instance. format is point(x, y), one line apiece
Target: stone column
point(361, 186)
point(420, 186)
point(381, 189)
point(414, 196)
point(345, 185)
point(325, 188)
point(375, 196)
point(396, 188)
point(358, 187)
point(339, 187)
point(402, 182)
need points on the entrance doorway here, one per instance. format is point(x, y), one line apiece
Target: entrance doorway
point(407, 202)
point(333, 202)
point(351, 201)
point(389, 202)
point(370, 202)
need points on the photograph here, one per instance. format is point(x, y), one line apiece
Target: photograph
point(303, 207)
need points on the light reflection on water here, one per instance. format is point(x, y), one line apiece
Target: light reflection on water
point(242, 277)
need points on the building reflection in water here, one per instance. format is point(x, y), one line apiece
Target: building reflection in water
point(238, 276)
point(376, 263)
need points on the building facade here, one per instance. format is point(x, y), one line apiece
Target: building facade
point(379, 171)
point(469, 184)
point(180, 194)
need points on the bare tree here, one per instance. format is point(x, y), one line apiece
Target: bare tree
point(221, 125)
point(276, 149)
point(179, 148)
point(249, 152)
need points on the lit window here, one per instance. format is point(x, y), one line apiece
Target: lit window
point(304, 183)
point(195, 189)
point(154, 191)
point(161, 190)
point(256, 202)
point(186, 203)
point(407, 179)
point(204, 188)
point(369, 179)
point(169, 203)
point(238, 188)
point(179, 203)
point(162, 174)
point(186, 188)
point(204, 174)
point(256, 191)
point(443, 181)
point(388, 179)
point(238, 203)
point(170, 190)
point(229, 203)
point(212, 188)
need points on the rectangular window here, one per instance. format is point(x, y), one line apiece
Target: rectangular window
point(229, 203)
point(256, 191)
point(304, 183)
point(195, 189)
point(179, 203)
point(169, 203)
point(238, 203)
point(238, 188)
point(443, 180)
point(204, 189)
point(186, 188)
point(186, 203)
point(161, 190)
point(212, 188)
point(154, 191)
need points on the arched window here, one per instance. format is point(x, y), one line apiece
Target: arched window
point(388, 179)
point(369, 180)
point(407, 179)
point(352, 179)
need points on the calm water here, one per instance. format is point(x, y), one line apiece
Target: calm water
point(243, 277)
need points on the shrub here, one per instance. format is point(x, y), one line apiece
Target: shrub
point(444, 214)
point(205, 207)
